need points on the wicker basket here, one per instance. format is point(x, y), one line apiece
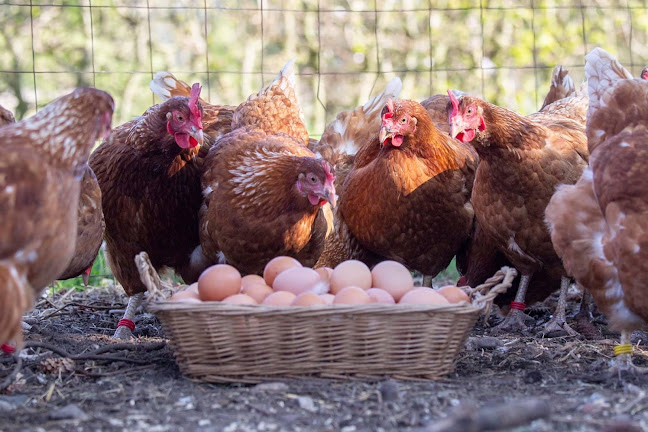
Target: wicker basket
point(217, 342)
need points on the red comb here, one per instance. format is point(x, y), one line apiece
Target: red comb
point(388, 110)
point(455, 102)
point(193, 100)
point(329, 176)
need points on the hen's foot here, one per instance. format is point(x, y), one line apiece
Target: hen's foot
point(558, 327)
point(515, 322)
point(123, 333)
point(622, 368)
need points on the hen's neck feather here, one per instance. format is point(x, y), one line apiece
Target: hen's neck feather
point(505, 130)
point(268, 180)
point(149, 136)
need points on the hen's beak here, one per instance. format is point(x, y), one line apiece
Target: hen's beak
point(454, 130)
point(197, 134)
point(384, 134)
point(329, 195)
point(456, 126)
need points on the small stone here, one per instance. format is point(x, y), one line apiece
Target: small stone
point(6, 406)
point(306, 403)
point(68, 412)
point(485, 342)
point(389, 391)
point(271, 387)
point(14, 400)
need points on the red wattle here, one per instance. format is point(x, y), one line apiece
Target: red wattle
point(397, 140)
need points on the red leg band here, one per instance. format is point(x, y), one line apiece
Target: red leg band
point(126, 323)
point(8, 349)
point(518, 305)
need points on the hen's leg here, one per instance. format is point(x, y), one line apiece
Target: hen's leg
point(126, 325)
point(557, 325)
point(427, 281)
point(622, 362)
point(584, 318)
point(517, 321)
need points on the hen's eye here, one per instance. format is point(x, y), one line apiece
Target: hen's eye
point(470, 110)
point(312, 179)
point(403, 120)
point(180, 117)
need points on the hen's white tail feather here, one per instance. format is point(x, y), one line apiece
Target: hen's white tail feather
point(285, 80)
point(162, 84)
point(392, 90)
point(602, 71)
point(565, 81)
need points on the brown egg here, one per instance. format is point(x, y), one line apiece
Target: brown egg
point(279, 298)
point(350, 273)
point(240, 299)
point(186, 296)
point(453, 294)
point(393, 277)
point(328, 298)
point(251, 279)
point(192, 288)
point(423, 296)
point(307, 299)
point(276, 265)
point(219, 282)
point(258, 291)
point(296, 280)
point(325, 273)
point(352, 295)
point(379, 295)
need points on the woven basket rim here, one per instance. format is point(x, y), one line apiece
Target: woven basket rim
point(166, 305)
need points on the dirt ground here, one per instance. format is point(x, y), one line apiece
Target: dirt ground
point(562, 383)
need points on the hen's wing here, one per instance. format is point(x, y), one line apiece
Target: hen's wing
point(604, 73)
point(217, 119)
point(90, 227)
point(562, 85)
point(573, 107)
point(249, 211)
point(275, 108)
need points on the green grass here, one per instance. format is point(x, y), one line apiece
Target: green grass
point(99, 272)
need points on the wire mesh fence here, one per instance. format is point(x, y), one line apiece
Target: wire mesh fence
point(345, 50)
point(502, 50)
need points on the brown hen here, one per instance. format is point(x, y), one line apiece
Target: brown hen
point(481, 258)
point(599, 225)
point(522, 160)
point(150, 186)
point(407, 197)
point(90, 220)
point(43, 160)
point(266, 194)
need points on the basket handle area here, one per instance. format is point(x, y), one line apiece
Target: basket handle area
point(155, 286)
point(483, 295)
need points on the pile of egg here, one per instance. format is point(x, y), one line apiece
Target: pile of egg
point(286, 282)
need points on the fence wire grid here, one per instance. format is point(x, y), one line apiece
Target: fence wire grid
point(346, 51)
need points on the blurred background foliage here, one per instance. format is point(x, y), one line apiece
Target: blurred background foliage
point(346, 50)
